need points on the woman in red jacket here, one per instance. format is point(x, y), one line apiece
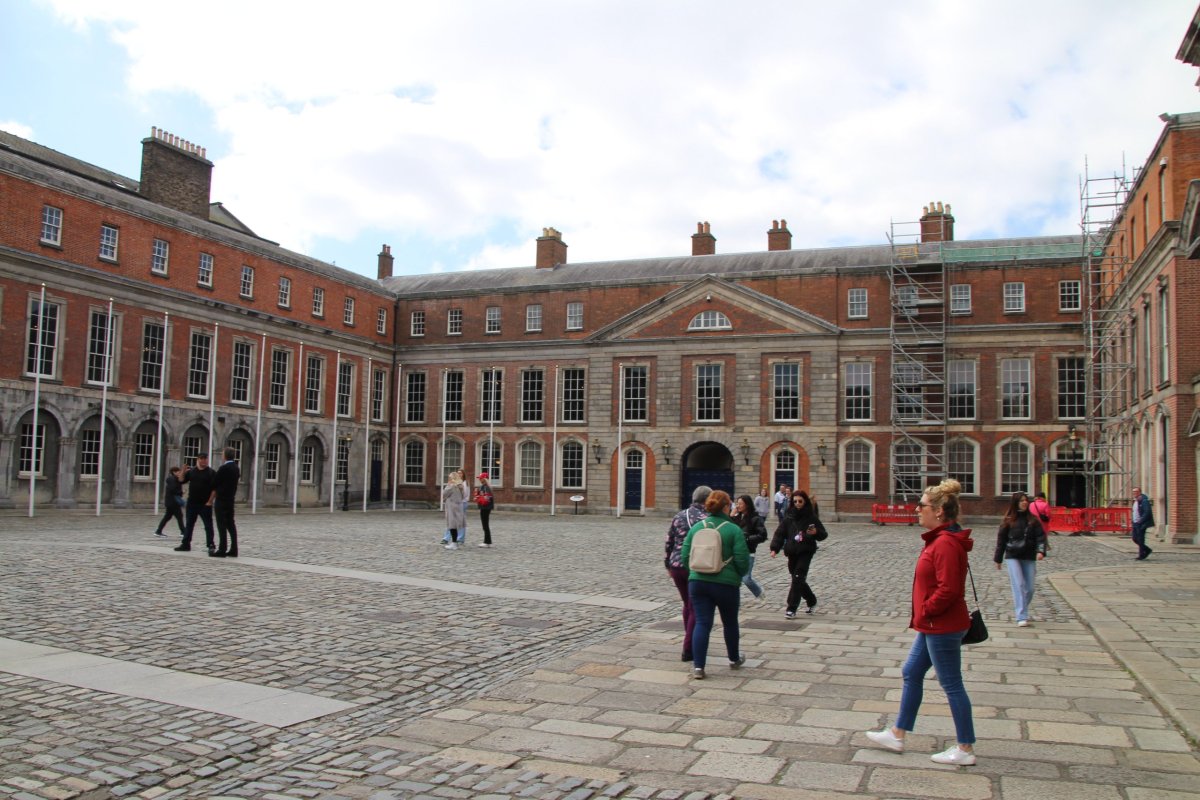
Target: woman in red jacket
point(940, 618)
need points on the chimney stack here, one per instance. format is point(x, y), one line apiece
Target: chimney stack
point(176, 173)
point(703, 242)
point(551, 251)
point(385, 262)
point(779, 237)
point(937, 223)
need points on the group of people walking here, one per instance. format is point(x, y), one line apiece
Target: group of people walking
point(211, 496)
point(938, 617)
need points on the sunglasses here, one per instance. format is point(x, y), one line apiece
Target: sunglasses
point(797, 499)
point(924, 505)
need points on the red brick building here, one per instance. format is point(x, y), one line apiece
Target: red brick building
point(859, 373)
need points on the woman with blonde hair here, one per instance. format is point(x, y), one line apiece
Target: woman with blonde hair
point(454, 497)
point(940, 618)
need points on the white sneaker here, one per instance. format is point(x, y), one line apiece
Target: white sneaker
point(885, 738)
point(955, 756)
point(762, 599)
point(1022, 623)
point(452, 546)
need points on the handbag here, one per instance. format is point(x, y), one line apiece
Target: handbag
point(977, 632)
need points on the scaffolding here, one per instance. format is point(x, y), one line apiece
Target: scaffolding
point(918, 344)
point(1108, 330)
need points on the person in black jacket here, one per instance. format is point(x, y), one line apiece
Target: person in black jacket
point(172, 502)
point(755, 531)
point(797, 536)
point(200, 480)
point(225, 492)
point(1021, 542)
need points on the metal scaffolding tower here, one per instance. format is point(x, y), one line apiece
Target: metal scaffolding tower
point(918, 339)
point(1108, 330)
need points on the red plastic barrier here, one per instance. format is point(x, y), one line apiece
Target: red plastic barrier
point(1065, 520)
point(883, 513)
point(1106, 520)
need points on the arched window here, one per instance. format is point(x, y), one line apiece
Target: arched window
point(856, 467)
point(962, 464)
point(907, 469)
point(452, 457)
point(572, 465)
point(710, 321)
point(1016, 467)
point(529, 467)
point(414, 461)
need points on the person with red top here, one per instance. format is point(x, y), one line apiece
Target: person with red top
point(940, 618)
point(486, 502)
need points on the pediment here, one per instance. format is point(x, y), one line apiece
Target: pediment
point(749, 313)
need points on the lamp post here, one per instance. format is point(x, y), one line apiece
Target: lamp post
point(345, 439)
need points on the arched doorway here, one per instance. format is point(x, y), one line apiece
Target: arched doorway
point(706, 464)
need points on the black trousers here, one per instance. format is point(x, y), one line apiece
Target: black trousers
point(485, 514)
point(798, 567)
point(226, 527)
point(205, 513)
point(172, 510)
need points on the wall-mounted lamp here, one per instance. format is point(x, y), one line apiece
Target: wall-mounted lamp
point(1073, 438)
point(597, 450)
point(822, 450)
point(746, 451)
point(666, 451)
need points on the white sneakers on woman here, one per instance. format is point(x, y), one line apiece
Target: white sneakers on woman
point(955, 756)
point(886, 739)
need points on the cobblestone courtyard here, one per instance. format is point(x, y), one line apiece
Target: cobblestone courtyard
point(490, 672)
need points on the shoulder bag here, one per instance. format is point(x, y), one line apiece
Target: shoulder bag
point(978, 632)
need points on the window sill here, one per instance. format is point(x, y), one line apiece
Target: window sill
point(108, 260)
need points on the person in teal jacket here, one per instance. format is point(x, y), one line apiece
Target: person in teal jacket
point(719, 591)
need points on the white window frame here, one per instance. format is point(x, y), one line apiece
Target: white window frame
point(575, 316)
point(847, 367)
point(52, 225)
point(492, 315)
point(1026, 479)
point(285, 292)
point(160, 257)
point(845, 465)
point(1014, 297)
point(856, 303)
point(381, 321)
point(143, 455)
point(100, 365)
point(271, 459)
point(409, 464)
point(204, 270)
point(314, 384)
point(563, 465)
point(710, 320)
point(31, 451)
point(533, 318)
point(196, 337)
point(241, 371)
point(318, 302)
point(246, 285)
point(280, 365)
point(345, 390)
point(348, 311)
point(1008, 377)
point(718, 397)
point(35, 339)
point(530, 465)
point(973, 394)
point(110, 242)
point(1070, 296)
point(454, 322)
point(578, 399)
point(960, 299)
point(630, 387)
point(798, 397)
point(154, 352)
point(972, 491)
point(416, 324)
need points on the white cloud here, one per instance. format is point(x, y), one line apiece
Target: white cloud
point(623, 123)
point(16, 128)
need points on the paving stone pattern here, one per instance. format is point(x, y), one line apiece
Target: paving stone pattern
point(551, 696)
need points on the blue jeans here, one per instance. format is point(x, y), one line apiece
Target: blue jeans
point(748, 579)
point(708, 597)
point(1021, 572)
point(943, 652)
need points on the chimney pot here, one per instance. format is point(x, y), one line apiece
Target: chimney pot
point(386, 262)
point(937, 223)
point(703, 242)
point(779, 237)
point(551, 249)
point(175, 174)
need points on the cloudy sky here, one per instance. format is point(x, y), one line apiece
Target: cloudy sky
point(455, 131)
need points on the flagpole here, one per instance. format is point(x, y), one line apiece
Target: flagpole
point(35, 461)
point(367, 431)
point(492, 428)
point(554, 447)
point(396, 436)
point(296, 437)
point(337, 448)
point(104, 401)
point(212, 388)
point(442, 456)
point(262, 362)
point(620, 437)
point(162, 381)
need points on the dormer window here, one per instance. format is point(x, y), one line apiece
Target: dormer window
point(710, 321)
